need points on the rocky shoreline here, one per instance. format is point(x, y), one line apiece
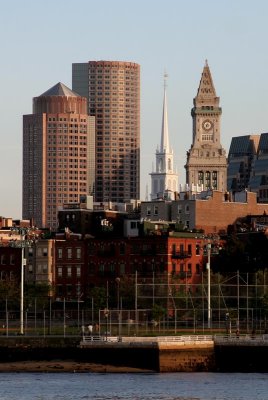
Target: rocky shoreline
point(65, 366)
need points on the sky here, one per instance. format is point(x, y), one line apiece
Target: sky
point(40, 39)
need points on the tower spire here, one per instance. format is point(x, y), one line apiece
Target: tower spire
point(164, 147)
point(164, 179)
point(206, 92)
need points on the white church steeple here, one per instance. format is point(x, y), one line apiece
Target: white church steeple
point(164, 134)
point(164, 180)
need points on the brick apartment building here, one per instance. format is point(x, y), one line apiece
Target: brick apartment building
point(81, 264)
point(211, 211)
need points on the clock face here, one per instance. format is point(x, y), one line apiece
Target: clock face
point(207, 125)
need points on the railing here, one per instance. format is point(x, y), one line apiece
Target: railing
point(149, 339)
point(181, 254)
point(241, 339)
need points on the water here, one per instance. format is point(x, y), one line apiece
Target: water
point(176, 386)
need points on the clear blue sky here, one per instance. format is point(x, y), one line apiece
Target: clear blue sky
point(41, 39)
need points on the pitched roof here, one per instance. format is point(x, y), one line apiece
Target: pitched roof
point(60, 90)
point(206, 88)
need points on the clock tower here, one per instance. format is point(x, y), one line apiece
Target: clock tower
point(206, 160)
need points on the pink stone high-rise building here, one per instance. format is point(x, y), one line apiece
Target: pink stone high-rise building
point(58, 154)
point(113, 92)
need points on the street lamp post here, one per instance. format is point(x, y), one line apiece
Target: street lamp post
point(118, 307)
point(22, 243)
point(106, 315)
point(209, 296)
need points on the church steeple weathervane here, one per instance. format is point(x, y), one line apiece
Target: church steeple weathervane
point(164, 180)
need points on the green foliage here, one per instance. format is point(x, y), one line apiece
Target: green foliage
point(9, 290)
point(246, 252)
point(37, 293)
point(99, 296)
point(158, 312)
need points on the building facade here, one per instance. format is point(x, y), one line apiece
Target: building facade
point(164, 180)
point(83, 264)
point(206, 160)
point(242, 152)
point(248, 165)
point(113, 92)
point(58, 154)
point(258, 181)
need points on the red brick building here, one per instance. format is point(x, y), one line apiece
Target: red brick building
point(83, 264)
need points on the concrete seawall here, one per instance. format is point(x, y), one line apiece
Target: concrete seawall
point(158, 357)
point(153, 356)
point(187, 358)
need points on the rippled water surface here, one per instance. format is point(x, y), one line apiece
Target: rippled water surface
point(176, 386)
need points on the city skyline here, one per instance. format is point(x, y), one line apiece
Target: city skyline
point(40, 47)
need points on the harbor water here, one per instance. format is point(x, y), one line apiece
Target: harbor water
point(139, 386)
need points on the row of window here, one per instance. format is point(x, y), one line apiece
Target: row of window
point(70, 252)
point(187, 269)
point(65, 119)
point(69, 271)
point(7, 260)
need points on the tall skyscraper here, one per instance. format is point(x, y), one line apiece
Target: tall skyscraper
point(164, 179)
point(206, 160)
point(113, 92)
point(58, 154)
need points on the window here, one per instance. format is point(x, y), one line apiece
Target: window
point(78, 271)
point(3, 259)
point(148, 211)
point(197, 249)
point(78, 252)
point(3, 275)
point(59, 253)
point(59, 290)
point(197, 269)
point(69, 272)
point(59, 273)
point(155, 210)
point(173, 268)
point(69, 290)
point(187, 209)
point(101, 268)
point(189, 249)
point(133, 225)
point(122, 269)
point(69, 253)
point(45, 251)
point(122, 249)
point(78, 290)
